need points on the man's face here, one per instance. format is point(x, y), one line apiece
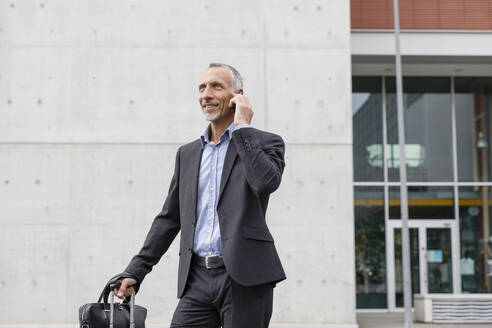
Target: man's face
point(214, 93)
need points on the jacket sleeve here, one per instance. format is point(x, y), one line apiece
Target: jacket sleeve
point(164, 229)
point(262, 159)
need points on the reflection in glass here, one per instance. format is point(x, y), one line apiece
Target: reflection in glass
point(370, 254)
point(476, 242)
point(367, 129)
point(414, 264)
point(427, 127)
point(424, 202)
point(439, 265)
point(473, 98)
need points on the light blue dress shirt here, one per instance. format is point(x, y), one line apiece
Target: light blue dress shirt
point(207, 232)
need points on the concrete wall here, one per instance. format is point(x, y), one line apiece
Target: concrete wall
point(95, 98)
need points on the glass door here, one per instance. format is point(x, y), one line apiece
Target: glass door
point(431, 261)
point(439, 260)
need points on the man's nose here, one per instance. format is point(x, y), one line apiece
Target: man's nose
point(205, 95)
point(207, 92)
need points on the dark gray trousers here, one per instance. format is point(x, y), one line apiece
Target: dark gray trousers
point(212, 300)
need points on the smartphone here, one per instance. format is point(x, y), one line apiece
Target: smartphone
point(233, 107)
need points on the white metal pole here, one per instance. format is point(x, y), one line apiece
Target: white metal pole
point(407, 280)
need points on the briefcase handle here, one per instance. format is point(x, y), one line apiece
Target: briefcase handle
point(132, 309)
point(111, 285)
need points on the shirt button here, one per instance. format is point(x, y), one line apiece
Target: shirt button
point(212, 188)
point(211, 210)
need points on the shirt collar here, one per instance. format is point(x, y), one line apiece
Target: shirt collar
point(204, 138)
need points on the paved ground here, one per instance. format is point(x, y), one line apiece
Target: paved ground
point(395, 320)
point(364, 320)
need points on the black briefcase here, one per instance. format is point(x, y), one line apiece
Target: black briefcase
point(112, 315)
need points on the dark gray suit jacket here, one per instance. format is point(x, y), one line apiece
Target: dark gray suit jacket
point(252, 170)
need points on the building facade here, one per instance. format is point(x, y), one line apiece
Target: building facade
point(447, 87)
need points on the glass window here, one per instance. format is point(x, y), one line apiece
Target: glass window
point(424, 202)
point(476, 243)
point(367, 128)
point(428, 129)
point(370, 251)
point(473, 99)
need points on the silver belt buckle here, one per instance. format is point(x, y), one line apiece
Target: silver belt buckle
point(206, 262)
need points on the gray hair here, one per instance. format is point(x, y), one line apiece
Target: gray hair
point(237, 80)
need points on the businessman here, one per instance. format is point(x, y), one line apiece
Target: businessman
point(228, 264)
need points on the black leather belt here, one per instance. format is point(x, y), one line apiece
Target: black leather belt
point(209, 262)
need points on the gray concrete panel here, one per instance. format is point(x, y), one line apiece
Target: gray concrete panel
point(114, 94)
point(310, 107)
point(83, 183)
point(95, 98)
point(311, 219)
point(73, 216)
point(132, 23)
point(34, 273)
point(311, 194)
point(110, 194)
point(307, 24)
point(112, 247)
point(66, 266)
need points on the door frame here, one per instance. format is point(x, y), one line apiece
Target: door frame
point(422, 226)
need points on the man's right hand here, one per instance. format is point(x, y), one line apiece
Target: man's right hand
point(124, 291)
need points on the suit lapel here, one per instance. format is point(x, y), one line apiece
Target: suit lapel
point(194, 164)
point(229, 160)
